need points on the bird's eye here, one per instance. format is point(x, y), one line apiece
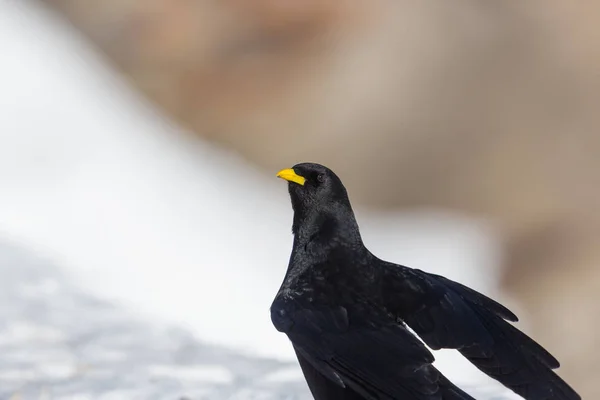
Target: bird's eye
point(321, 178)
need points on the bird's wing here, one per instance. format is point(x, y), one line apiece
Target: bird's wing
point(446, 314)
point(323, 388)
point(361, 350)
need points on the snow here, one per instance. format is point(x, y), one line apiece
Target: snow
point(211, 373)
point(180, 233)
point(66, 344)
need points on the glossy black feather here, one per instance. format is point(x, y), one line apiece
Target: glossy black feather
point(446, 314)
point(345, 311)
point(360, 353)
point(321, 387)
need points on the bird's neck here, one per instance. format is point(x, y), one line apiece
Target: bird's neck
point(335, 224)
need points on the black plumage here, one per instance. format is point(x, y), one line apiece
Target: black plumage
point(346, 313)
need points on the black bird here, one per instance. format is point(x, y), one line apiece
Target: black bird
point(346, 313)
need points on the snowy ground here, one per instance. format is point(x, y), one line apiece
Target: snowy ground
point(59, 343)
point(129, 266)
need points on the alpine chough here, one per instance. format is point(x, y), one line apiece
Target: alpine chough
point(347, 313)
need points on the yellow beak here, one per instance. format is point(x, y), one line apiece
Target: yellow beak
point(289, 175)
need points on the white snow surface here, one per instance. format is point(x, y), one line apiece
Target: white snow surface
point(137, 213)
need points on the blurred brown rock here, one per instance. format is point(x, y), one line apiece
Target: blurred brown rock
point(490, 108)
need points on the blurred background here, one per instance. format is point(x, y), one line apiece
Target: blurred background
point(139, 142)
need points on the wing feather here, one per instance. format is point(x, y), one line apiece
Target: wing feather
point(447, 314)
point(363, 350)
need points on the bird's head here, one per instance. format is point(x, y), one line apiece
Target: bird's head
point(313, 186)
point(315, 191)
